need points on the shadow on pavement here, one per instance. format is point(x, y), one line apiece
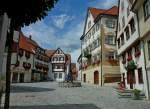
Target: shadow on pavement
point(22, 89)
point(63, 106)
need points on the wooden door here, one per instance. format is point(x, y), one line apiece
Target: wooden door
point(96, 77)
point(21, 78)
point(84, 77)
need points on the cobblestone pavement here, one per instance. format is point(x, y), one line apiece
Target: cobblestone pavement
point(47, 95)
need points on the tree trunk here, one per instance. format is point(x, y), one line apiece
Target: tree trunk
point(8, 66)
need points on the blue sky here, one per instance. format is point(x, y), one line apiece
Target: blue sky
point(64, 25)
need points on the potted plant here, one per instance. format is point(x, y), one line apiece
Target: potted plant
point(136, 94)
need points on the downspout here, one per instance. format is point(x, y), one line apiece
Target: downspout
point(81, 61)
point(143, 53)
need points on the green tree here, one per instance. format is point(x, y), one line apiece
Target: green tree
point(22, 13)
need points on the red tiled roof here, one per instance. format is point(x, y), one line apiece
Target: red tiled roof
point(112, 11)
point(49, 53)
point(25, 44)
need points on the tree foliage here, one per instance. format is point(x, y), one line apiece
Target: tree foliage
point(25, 12)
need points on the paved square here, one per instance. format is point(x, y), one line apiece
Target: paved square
point(47, 95)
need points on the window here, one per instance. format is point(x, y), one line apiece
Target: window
point(55, 59)
point(129, 53)
point(61, 58)
point(132, 25)
point(55, 75)
point(137, 48)
point(89, 24)
point(123, 21)
point(149, 49)
point(119, 27)
point(93, 31)
point(127, 33)
point(97, 26)
point(111, 56)
point(1, 21)
point(60, 75)
point(118, 43)
point(89, 35)
point(56, 66)
point(147, 9)
point(109, 40)
point(122, 5)
point(128, 11)
point(122, 39)
point(110, 23)
point(140, 75)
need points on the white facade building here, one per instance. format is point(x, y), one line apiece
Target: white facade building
point(130, 49)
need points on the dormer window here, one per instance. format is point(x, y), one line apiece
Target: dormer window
point(89, 24)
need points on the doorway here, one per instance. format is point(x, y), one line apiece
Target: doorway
point(96, 77)
point(21, 79)
point(84, 77)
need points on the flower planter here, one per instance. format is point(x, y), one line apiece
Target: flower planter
point(129, 58)
point(136, 94)
point(137, 54)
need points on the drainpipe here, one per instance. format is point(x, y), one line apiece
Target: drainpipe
point(81, 60)
point(136, 12)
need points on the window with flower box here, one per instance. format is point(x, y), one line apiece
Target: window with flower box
point(129, 55)
point(137, 50)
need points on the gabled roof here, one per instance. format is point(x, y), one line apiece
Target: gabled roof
point(25, 44)
point(96, 12)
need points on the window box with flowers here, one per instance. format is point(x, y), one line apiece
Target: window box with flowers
point(129, 58)
point(137, 53)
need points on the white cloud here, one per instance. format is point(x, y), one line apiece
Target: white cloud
point(45, 36)
point(75, 54)
point(104, 3)
point(60, 20)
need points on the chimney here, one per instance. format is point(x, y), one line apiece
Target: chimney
point(30, 37)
